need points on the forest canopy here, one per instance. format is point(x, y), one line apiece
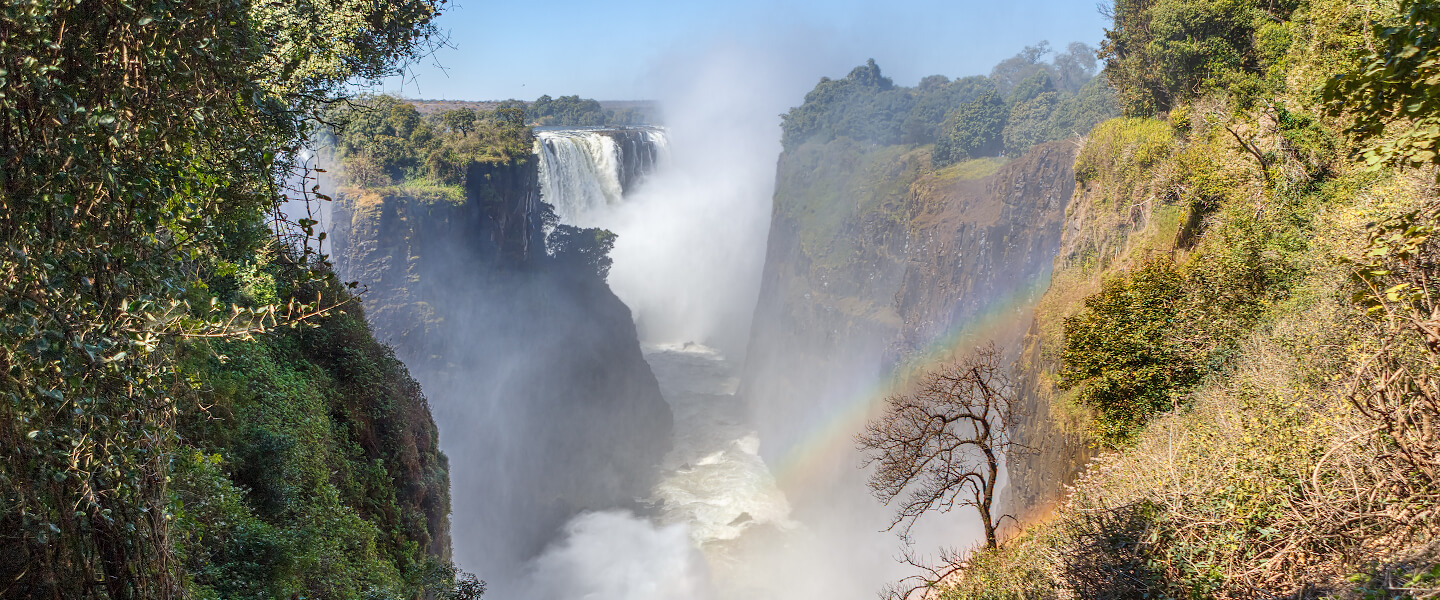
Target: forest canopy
point(191, 405)
point(1026, 100)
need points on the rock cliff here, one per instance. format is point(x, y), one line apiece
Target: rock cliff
point(544, 399)
point(878, 262)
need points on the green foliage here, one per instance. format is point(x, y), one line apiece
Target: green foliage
point(314, 49)
point(566, 110)
point(1008, 74)
point(1077, 114)
point(972, 131)
point(1119, 354)
point(1120, 151)
point(1031, 87)
point(1029, 123)
point(865, 106)
point(383, 140)
point(290, 485)
point(459, 120)
point(1395, 89)
point(140, 148)
point(587, 250)
point(1298, 341)
point(574, 111)
point(965, 118)
point(1160, 53)
point(935, 97)
point(1075, 68)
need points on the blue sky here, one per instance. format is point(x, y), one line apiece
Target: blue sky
point(624, 49)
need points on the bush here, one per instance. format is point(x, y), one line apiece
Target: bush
point(586, 250)
point(972, 131)
point(1118, 351)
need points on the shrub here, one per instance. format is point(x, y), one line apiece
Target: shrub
point(1119, 354)
point(587, 250)
point(972, 131)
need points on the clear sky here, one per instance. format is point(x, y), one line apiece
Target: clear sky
point(622, 49)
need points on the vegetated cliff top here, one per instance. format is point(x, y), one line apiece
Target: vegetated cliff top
point(561, 111)
point(1025, 101)
point(1238, 314)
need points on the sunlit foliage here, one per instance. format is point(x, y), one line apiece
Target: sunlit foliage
point(1394, 91)
point(142, 146)
point(1025, 101)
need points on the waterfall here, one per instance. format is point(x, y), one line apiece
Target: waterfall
point(585, 169)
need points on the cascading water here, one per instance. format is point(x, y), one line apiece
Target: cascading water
point(582, 170)
point(716, 498)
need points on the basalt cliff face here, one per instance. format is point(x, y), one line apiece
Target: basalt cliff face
point(878, 262)
point(534, 369)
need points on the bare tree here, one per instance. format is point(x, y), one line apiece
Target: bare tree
point(944, 440)
point(924, 583)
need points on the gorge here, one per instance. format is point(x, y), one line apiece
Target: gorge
point(1153, 319)
point(760, 476)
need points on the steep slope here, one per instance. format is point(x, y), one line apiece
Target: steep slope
point(1241, 315)
point(312, 465)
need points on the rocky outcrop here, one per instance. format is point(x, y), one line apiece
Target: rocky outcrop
point(545, 403)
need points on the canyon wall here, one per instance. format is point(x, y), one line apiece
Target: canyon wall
point(533, 366)
point(879, 263)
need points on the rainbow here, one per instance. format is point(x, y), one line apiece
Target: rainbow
point(829, 440)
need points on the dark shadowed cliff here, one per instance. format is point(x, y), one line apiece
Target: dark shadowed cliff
point(533, 365)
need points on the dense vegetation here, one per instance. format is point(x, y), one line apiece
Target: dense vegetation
point(1024, 102)
point(1243, 314)
point(383, 140)
point(572, 111)
point(190, 405)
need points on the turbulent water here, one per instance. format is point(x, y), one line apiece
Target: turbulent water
point(715, 482)
point(715, 508)
point(716, 500)
point(582, 170)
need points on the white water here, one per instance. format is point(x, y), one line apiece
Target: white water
point(715, 503)
point(716, 499)
point(582, 171)
point(715, 482)
point(691, 247)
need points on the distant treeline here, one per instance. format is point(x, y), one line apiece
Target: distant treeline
point(1023, 102)
point(382, 140)
point(577, 111)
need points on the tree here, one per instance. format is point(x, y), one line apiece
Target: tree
point(586, 250)
point(944, 441)
point(142, 145)
point(459, 120)
point(972, 131)
point(1162, 52)
point(1075, 67)
point(1011, 71)
point(1394, 89)
point(864, 106)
